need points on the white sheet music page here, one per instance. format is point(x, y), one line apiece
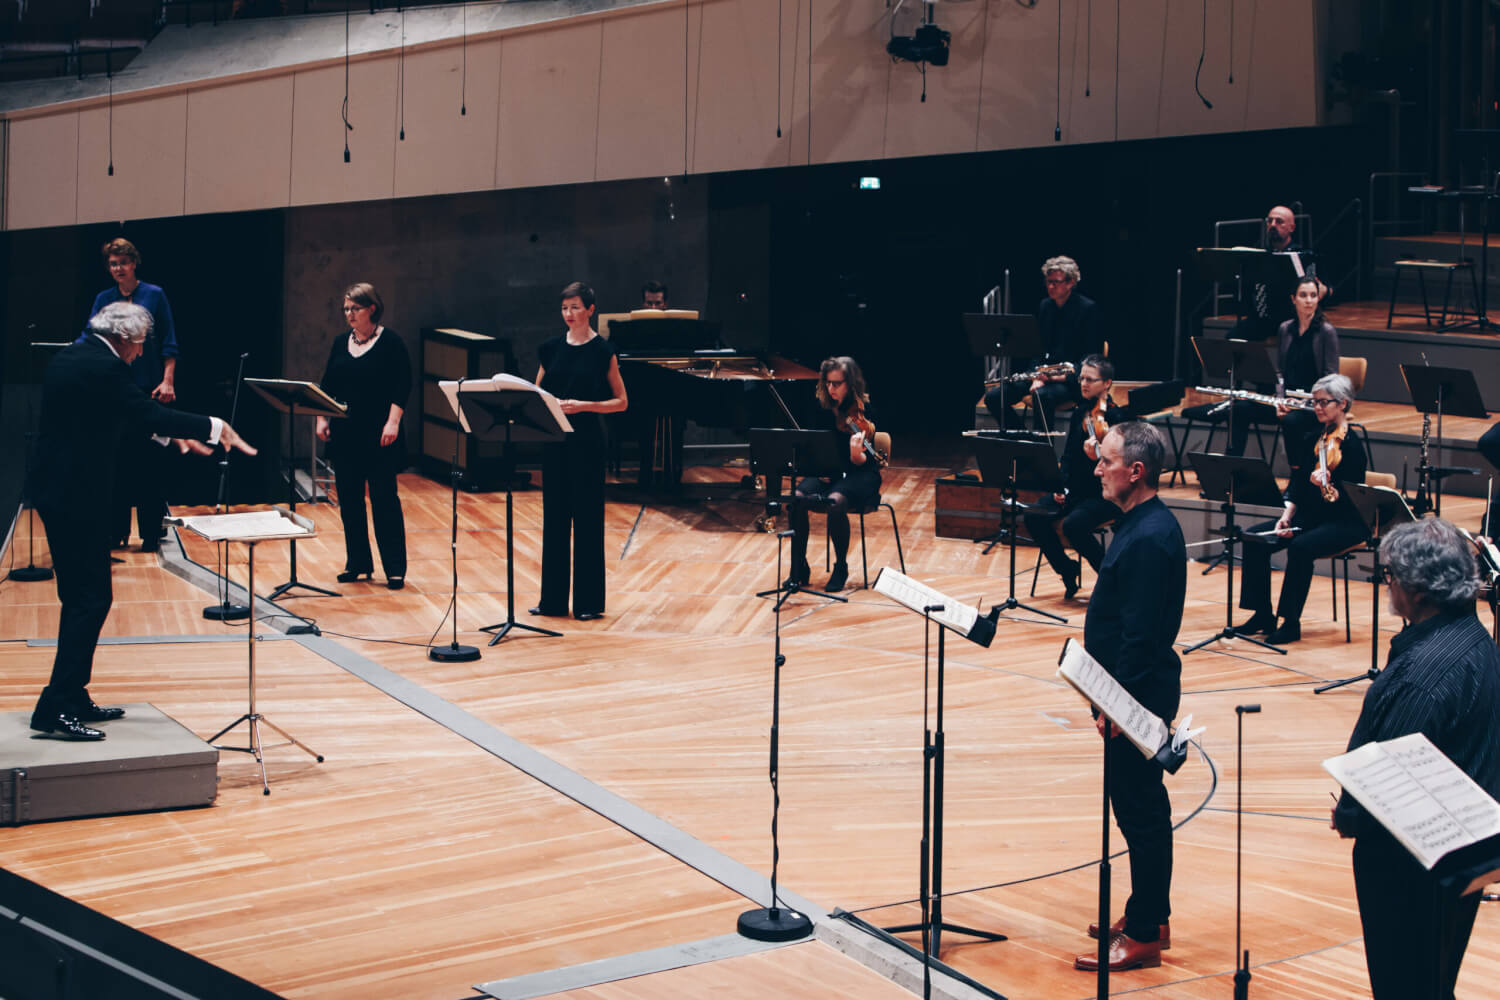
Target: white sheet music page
point(251, 525)
point(500, 383)
point(915, 595)
point(1087, 675)
point(1418, 794)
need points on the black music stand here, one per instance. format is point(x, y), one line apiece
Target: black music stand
point(1231, 480)
point(1014, 465)
point(793, 453)
point(1236, 362)
point(1003, 336)
point(296, 398)
point(524, 416)
point(1439, 391)
point(1245, 266)
point(1379, 509)
point(1486, 194)
point(31, 572)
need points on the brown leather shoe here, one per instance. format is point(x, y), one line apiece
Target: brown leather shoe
point(1118, 927)
point(1125, 953)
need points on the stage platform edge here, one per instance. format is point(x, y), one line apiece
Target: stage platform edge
point(147, 762)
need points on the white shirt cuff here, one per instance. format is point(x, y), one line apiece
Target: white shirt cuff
point(218, 428)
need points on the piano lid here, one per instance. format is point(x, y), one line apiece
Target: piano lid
point(661, 336)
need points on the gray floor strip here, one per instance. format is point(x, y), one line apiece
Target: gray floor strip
point(151, 640)
point(609, 970)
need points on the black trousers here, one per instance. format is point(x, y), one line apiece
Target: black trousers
point(999, 400)
point(1078, 523)
point(1303, 550)
point(355, 470)
point(1138, 795)
point(140, 485)
point(79, 544)
point(1414, 939)
point(1489, 447)
point(573, 507)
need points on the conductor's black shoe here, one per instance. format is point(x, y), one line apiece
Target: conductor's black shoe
point(588, 616)
point(89, 712)
point(395, 583)
point(1290, 631)
point(151, 545)
point(801, 574)
point(542, 612)
point(839, 577)
point(62, 726)
point(349, 576)
point(1259, 623)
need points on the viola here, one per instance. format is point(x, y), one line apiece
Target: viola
point(1095, 426)
point(856, 419)
point(1330, 454)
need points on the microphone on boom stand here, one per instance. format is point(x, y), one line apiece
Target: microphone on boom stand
point(224, 611)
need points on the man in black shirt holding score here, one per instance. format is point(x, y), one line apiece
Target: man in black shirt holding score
point(1132, 623)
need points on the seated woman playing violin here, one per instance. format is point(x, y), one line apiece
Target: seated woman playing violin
point(841, 390)
point(1319, 521)
point(1080, 505)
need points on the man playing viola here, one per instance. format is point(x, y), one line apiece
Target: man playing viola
point(1081, 505)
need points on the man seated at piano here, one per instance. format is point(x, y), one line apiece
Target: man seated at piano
point(653, 295)
point(1081, 504)
point(1320, 519)
point(842, 394)
point(1070, 330)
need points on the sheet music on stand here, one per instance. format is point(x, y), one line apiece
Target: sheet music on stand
point(959, 617)
point(1141, 726)
point(500, 383)
point(1424, 799)
point(247, 526)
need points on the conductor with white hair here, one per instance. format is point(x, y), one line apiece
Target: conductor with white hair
point(1441, 679)
point(90, 405)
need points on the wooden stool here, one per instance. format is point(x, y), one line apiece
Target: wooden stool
point(1422, 269)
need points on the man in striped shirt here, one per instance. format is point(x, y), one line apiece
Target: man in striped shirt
point(1442, 679)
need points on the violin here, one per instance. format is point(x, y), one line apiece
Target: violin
point(857, 420)
point(1330, 454)
point(1095, 426)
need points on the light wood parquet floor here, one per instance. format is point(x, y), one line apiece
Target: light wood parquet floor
point(412, 863)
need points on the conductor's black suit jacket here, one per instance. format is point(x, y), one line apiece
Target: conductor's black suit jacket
point(89, 404)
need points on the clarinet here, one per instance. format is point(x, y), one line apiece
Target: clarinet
point(1422, 504)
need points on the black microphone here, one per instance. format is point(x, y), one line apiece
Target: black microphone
point(930, 608)
point(244, 356)
point(1247, 709)
point(785, 534)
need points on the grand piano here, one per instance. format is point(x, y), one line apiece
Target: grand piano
point(676, 370)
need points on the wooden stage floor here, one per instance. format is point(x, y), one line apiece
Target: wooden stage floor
point(571, 800)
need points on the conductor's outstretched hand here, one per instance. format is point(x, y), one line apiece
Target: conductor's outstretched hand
point(228, 437)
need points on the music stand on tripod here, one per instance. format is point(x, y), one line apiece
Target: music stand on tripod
point(31, 572)
point(251, 528)
point(1236, 362)
point(509, 410)
point(1014, 465)
point(1443, 390)
point(1231, 480)
point(1380, 508)
point(1002, 336)
point(296, 398)
point(782, 452)
point(1243, 266)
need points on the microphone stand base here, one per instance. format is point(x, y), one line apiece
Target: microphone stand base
point(453, 653)
point(30, 574)
point(226, 612)
point(776, 923)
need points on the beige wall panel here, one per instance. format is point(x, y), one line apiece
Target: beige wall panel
point(150, 139)
point(1279, 38)
point(239, 146)
point(41, 187)
point(549, 104)
point(734, 109)
point(1088, 98)
point(1018, 98)
point(851, 83)
point(948, 121)
point(641, 93)
point(319, 173)
point(444, 151)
